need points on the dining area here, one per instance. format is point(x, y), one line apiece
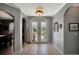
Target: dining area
point(5, 40)
point(6, 37)
point(5, 44)
point(6, 33)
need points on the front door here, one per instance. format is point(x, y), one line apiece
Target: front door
point(39, 30)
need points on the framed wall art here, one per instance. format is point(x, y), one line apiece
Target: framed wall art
point(73, 26)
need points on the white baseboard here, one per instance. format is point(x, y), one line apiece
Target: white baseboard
point(58, 49)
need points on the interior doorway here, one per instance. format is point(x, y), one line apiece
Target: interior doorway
point(39, 30)
point(6, 32)
point(23, 30)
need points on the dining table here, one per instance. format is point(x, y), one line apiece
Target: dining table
point(5, 39)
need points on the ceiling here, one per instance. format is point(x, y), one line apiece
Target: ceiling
point(4, 15)
point(50, 9)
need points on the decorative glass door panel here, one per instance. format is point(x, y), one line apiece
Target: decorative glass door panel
point(44, 32)
point(39, 31)
point(34, 32)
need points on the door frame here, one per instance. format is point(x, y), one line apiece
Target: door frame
point(39, 20)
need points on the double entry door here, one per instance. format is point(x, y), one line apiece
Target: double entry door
point(39, 30)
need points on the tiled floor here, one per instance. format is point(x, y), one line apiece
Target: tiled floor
point(38, 49)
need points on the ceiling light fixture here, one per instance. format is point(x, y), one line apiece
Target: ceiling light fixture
point(39, 11)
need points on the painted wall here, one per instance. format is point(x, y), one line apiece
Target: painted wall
point(58, 37)
point(67, 41)
point(16, 13)
point(71, 38)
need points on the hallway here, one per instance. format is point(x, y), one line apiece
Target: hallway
point(39, 23)
point(38, 49)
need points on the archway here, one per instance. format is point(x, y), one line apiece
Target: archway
point(71, 18)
